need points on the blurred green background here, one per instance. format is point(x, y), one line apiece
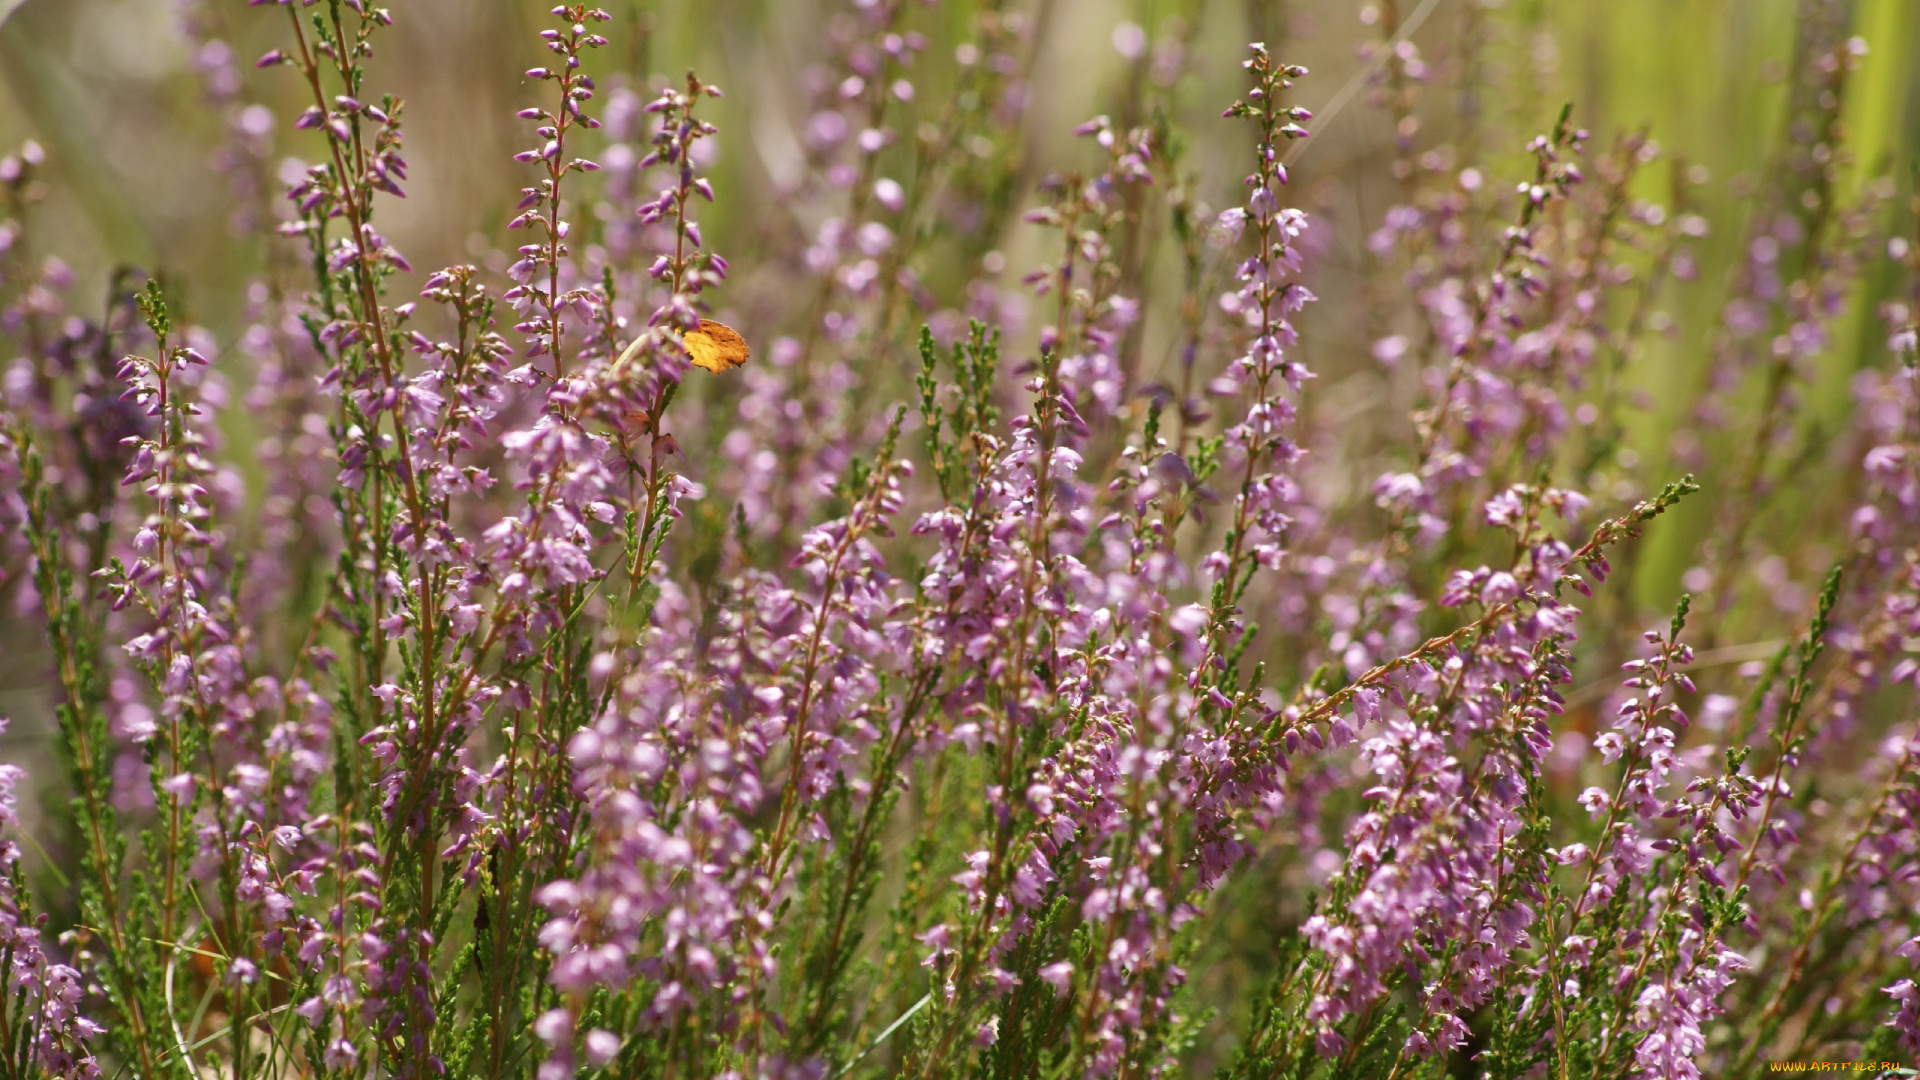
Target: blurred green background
point(107, 87)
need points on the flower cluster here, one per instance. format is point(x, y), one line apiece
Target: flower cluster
point(1027, 664)
point(43, 997)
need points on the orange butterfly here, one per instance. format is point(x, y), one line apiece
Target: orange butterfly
point(716, 346)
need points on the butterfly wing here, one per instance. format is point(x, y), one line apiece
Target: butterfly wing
point(716, 347)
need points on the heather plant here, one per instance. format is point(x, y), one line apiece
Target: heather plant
point(1027, 664)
